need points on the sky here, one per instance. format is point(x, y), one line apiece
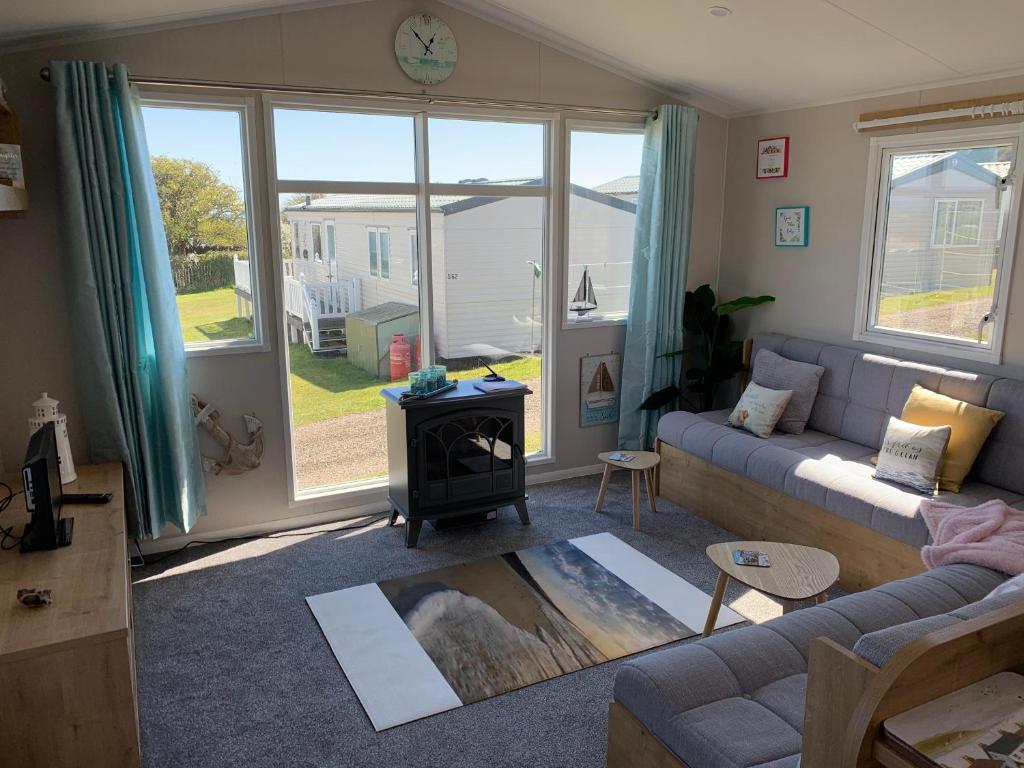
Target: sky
point(337, 146)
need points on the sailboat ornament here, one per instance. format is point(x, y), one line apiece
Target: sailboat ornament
point(584, 300)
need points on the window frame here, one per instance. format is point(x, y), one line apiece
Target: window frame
point(630, 126)
point(414, 260)
point(316, 232)
point(550, 191)
point(873, 238)
point(376, 253)
point(956, 212)
point(246, 108)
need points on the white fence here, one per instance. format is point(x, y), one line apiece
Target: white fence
point(243, 275)
point(309, 294)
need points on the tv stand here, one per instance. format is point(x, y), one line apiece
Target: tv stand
point(67, 680)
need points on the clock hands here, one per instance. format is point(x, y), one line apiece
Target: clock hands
point(426, 46)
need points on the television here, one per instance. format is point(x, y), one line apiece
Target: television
point(40, 475)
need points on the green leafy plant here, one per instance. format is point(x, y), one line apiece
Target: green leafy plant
point(714, 357)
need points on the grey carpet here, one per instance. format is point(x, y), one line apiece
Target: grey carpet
point(234, 671)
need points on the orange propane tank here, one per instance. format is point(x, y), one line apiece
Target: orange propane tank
point(400, 354)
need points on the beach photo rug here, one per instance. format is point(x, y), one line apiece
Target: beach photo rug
point(418, 645)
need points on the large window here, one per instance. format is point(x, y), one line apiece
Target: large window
point(480, 221)
point(604, 183)
point(939, 239)
point(199, 157)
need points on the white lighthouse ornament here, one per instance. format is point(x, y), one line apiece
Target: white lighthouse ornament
point(45, 411)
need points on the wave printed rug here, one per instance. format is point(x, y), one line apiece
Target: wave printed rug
point(423, 644)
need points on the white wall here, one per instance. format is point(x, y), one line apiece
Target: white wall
point(487, 280)
point(346, 46)
point(816, 286)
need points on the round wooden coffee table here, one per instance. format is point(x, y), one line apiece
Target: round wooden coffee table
point(643, 463)
point(796, 573)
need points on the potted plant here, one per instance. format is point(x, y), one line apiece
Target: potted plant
point(714, 357)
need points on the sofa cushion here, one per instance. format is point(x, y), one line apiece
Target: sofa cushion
point(737, 698)
point(879, 647)
point(970, 426)
point(912, 455)
point(1000, 461)
point(759, 409)
point(777, 372)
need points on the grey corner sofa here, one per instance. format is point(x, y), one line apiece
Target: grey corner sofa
point(817, 488)
point(737, 698)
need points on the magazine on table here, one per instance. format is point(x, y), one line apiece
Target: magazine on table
point(751, 557)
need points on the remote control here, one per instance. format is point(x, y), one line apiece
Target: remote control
point(87, 498)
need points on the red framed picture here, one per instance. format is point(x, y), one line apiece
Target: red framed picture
point(773, 158)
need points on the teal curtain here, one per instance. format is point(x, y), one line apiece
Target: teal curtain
point(129, 357)
point(661, 252)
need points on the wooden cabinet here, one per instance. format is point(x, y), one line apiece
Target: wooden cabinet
point(67, 673)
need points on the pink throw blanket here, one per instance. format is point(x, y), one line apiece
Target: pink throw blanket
point(991, 535)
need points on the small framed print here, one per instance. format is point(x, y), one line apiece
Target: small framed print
point(773, 158)
point(791, 226)
point(600, 378)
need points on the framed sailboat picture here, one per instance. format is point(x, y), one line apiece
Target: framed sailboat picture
point(599, 389)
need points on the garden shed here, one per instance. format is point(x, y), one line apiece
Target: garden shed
point(369, 335)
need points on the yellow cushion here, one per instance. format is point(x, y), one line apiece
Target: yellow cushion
point(971, 427)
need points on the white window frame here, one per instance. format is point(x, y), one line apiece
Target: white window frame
point(873, 241)
point(550, 191)
point(328, 225)
point(956, 214)
point(375, 232)
point(587, 126)
point(245, 107)
point(315, 228)
point(414, 261)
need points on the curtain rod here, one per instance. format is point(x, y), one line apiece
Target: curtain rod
point(44, 73)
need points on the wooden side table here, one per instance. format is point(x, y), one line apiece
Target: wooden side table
point(643, 463)
point(796, 573)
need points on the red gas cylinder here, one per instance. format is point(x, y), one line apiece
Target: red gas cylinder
point(400, 354)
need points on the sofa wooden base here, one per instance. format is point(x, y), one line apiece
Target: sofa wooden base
point(631, 745)
point(754, 511)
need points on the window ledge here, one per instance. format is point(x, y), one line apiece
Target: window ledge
point(225, 348)
point(570, 324)
point(936, 346)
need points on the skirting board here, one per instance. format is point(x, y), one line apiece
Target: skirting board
point(166, 543)
point(756, 512)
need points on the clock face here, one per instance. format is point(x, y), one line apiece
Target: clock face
point(426, 50)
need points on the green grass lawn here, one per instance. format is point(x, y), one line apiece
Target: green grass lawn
point(328, 387)
point(211, 316)
point(891, 305)
point(322, 387)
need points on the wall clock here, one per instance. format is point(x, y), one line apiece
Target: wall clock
point(426, 49)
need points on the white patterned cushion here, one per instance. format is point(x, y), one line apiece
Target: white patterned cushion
point(759, 409)
point(912, 455)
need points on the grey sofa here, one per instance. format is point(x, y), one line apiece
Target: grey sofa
point(829, 464)
point(736, 699)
